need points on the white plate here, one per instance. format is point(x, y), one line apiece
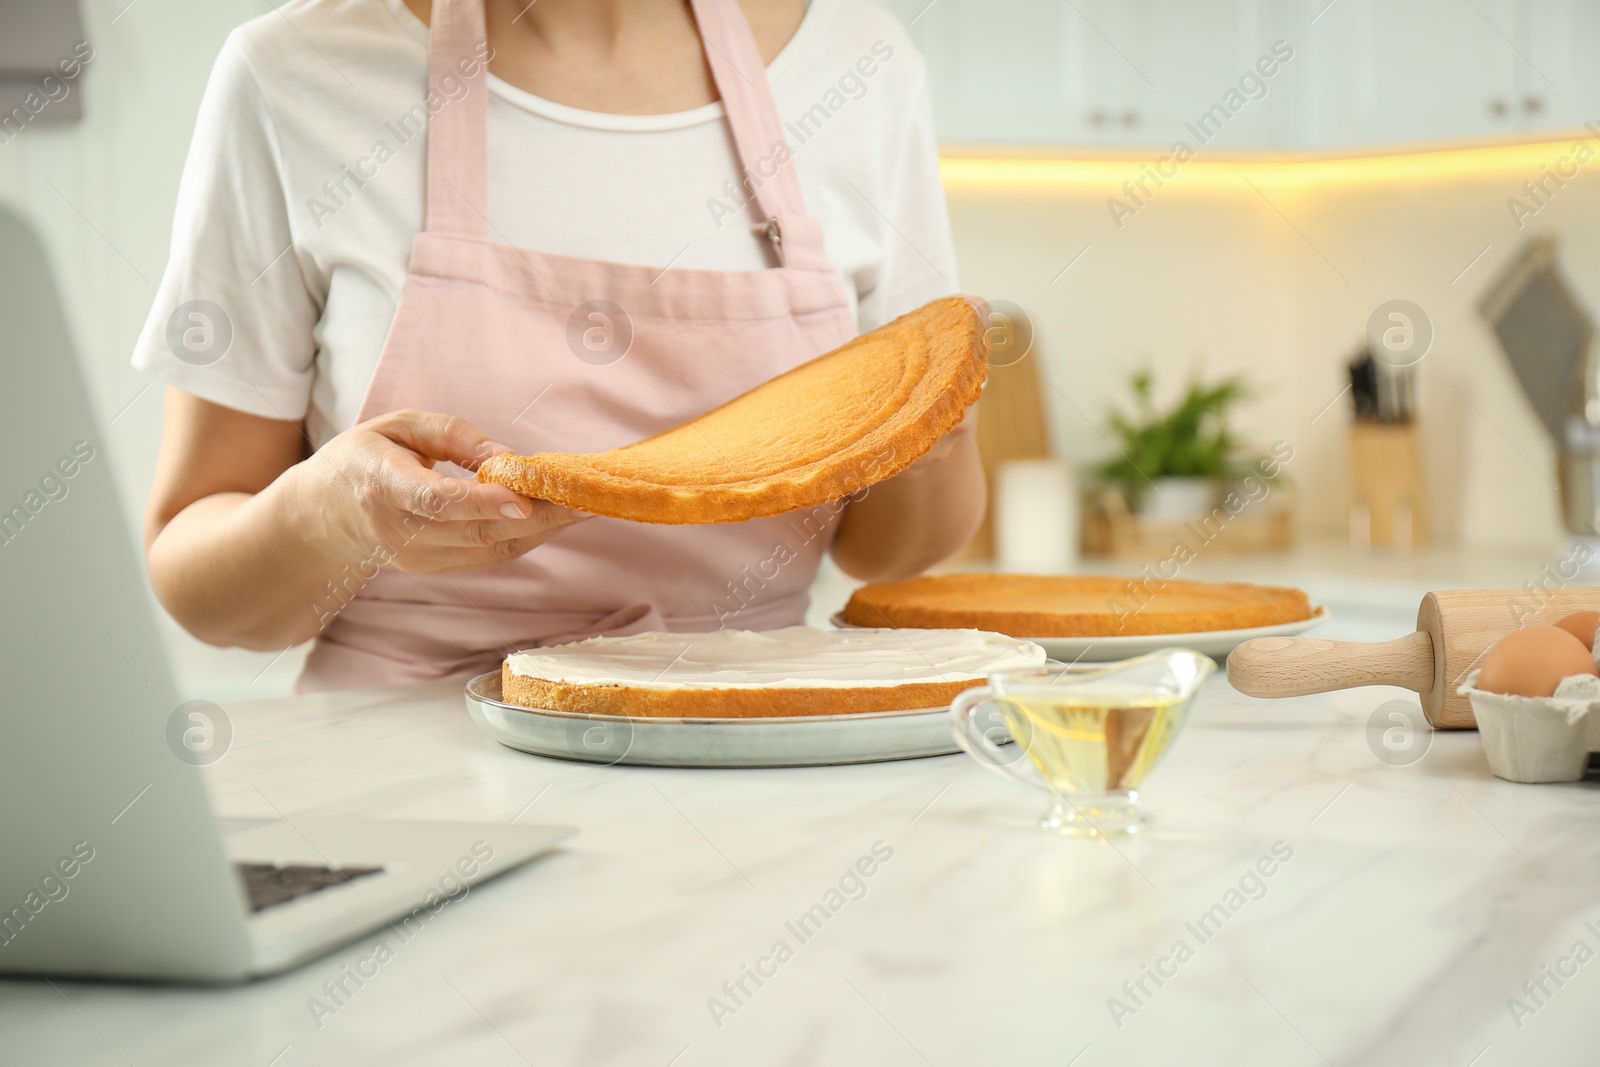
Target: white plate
point(796, 741)
point(1214, 643)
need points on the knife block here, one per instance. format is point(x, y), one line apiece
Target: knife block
point(1387, 504)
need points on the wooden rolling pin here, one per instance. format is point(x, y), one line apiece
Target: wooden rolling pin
point(1454, 628)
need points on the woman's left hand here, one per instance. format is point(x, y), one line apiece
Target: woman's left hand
point(962, 436)
point(925, 514)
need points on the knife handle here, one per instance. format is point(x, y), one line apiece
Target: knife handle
point(1296, 666)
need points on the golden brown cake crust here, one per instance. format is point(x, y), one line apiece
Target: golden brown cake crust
point(1023, 605)
point(765, 702)
point(828, 428)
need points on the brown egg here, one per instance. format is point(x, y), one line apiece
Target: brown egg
point(1532, 661)
point(1582, 625)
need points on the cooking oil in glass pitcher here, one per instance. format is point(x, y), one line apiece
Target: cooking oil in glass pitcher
point(1092, 732)
point(1094, 744)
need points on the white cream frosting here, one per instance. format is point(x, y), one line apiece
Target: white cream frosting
point(800, 657)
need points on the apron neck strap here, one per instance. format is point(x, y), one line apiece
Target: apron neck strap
point(458, 160)
point(766, 163)
point(458, 105)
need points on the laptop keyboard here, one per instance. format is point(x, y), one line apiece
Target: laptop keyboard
point(268, 884)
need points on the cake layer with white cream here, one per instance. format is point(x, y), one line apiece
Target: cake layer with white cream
point(798, 670)
point(796, 656)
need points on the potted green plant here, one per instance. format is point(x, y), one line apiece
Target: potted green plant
point(1175, 463)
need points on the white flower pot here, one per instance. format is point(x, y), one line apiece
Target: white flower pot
point(1178, 498)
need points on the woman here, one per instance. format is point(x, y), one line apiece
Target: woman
point(409, 238)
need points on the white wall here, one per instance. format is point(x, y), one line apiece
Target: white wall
point(1217, 279)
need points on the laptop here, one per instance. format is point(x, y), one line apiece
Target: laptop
point(114, 864)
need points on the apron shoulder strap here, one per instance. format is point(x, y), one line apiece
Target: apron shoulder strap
point(765, 159)
point(458, 107)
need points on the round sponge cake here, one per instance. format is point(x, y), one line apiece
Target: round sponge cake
point(1074, 605)
point(736, 674)
point(819, 432)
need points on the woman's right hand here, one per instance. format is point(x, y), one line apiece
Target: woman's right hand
point(371, 495)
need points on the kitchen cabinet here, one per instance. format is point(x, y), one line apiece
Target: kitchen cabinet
point(1146, 68)
point(1425, 70)
point(1358, 73)
point(1564, 92)
point(1112, 72)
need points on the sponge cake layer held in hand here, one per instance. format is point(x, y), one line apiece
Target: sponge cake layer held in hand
point(819, 432)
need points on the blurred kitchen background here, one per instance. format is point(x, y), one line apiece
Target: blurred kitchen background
point(1420, 151)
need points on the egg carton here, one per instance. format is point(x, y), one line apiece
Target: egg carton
point(1539, 739)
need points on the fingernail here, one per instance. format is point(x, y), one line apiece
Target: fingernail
point(492, 448)
point(513, 511)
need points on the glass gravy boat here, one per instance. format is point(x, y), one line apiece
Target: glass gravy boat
point(1087, 735)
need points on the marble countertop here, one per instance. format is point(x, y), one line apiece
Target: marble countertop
point(1302, 901)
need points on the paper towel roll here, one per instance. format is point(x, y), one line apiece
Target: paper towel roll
point(1035, 517)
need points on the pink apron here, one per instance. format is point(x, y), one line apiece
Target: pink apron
point(512, 340)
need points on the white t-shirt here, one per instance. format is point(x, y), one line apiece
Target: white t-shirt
point(304, 187)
